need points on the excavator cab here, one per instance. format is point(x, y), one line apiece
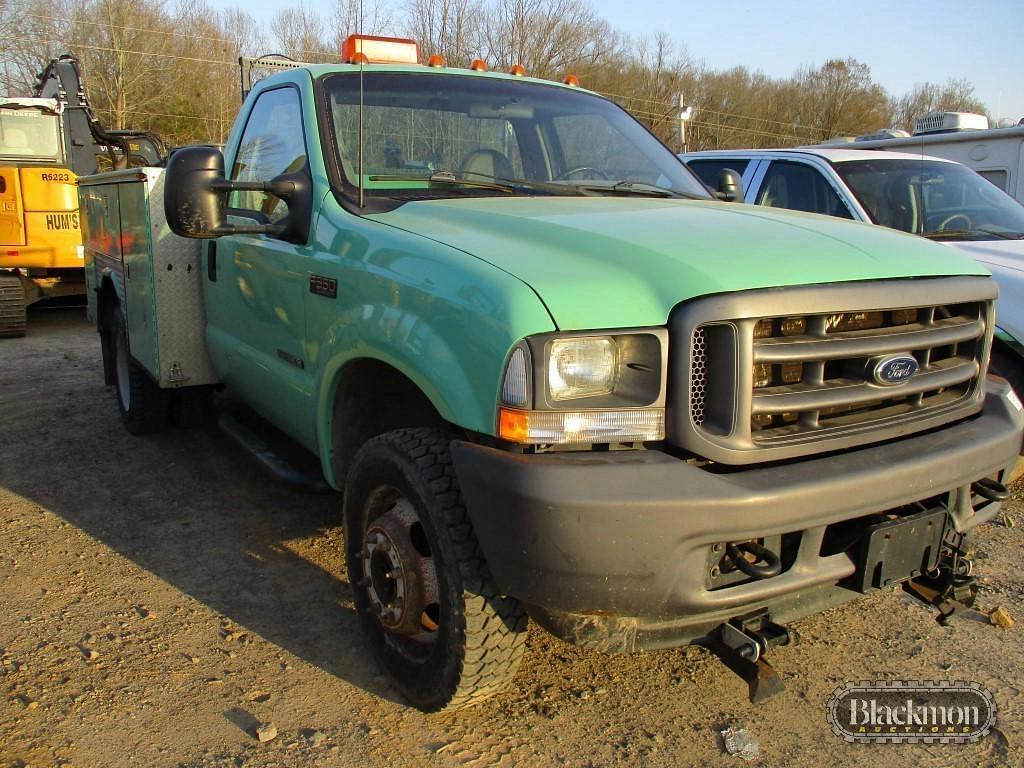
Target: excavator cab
point(46, 142)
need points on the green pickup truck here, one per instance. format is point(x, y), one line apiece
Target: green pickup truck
point(552, 377)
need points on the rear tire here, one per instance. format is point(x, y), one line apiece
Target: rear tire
point(423, 591)
point(143, 405)
point(13, 310)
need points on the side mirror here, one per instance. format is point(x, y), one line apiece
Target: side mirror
point(194, 192)
point(730, 186)
point(195, 198)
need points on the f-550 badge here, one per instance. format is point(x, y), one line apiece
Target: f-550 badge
point(893, 369)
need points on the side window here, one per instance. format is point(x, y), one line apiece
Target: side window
point(272, 144)
point(708, 170)
point(996, 177)
point(800, 187)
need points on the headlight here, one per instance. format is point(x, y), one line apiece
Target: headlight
point(615, 383)
point(582, 367)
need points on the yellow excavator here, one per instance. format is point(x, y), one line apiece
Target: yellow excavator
point(46, 142)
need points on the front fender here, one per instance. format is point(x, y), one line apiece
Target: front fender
point(441, 317)
point(461, 382)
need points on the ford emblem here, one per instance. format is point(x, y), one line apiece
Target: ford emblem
point(894, 369)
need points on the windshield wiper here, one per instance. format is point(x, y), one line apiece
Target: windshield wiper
point(957, 234)
point(629, 187)
point(443, 177)
point(551, 187)
point(1002, 235)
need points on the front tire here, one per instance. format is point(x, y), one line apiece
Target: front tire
point(423, 591)
point(143, 405)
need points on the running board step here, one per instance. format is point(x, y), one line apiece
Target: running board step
point(261, 450)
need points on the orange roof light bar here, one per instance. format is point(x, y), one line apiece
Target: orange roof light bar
point(380, 50)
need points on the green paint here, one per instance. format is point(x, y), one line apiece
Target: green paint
point(441, 290)
point(606, 262)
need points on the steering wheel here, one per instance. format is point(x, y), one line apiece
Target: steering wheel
point(954, 217)
point(582, 169)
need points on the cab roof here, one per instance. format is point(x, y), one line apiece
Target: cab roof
point(317, 71)
point(831, 154)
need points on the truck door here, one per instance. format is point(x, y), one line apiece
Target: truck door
point(800, 187)
point(256, 283)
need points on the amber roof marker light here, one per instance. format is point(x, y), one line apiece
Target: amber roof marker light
point(435, 61)
point(379, 50)
point(572, 80)
point(518, 70)
point(478, 65)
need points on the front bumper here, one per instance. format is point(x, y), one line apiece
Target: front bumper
point(612, 549)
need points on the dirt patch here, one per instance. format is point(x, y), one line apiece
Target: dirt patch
point(162, 600)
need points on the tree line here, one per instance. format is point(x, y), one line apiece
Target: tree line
point(171, 67)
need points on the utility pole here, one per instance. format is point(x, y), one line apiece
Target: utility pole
point(685, 113)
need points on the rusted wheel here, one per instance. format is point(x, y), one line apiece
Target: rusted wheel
point(423, 591)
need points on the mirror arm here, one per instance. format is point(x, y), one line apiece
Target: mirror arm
point(249, 229)
point(275, 187)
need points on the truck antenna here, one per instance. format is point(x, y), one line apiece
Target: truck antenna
point(361, 67)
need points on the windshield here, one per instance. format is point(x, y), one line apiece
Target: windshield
point(429, 135)
point(28, 133)
point(934, 199)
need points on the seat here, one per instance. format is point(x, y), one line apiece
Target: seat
point(900, 212)
point(489, 163)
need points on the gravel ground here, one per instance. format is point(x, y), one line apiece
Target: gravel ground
point(161, 599)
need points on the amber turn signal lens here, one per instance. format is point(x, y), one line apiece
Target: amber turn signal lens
point(514, 426)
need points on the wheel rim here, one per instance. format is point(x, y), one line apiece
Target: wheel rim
point(399, 576)
point(124, 390)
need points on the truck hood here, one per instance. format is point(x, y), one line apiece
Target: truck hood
point(616, 262)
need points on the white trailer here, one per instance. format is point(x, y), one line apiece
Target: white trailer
point(995, 153)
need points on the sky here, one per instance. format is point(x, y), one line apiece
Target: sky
point(903, 41)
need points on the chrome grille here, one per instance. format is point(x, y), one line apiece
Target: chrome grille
point(779, 373)
point(833, 386)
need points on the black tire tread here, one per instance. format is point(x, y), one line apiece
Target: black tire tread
point(494, 626)
point(148, 408)
point(13, 311)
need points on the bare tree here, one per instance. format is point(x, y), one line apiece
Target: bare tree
point(357, 16)
point(299, 33)
point(450, 28)
point(954, 96)
point(548, 37)
point(840, 97)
